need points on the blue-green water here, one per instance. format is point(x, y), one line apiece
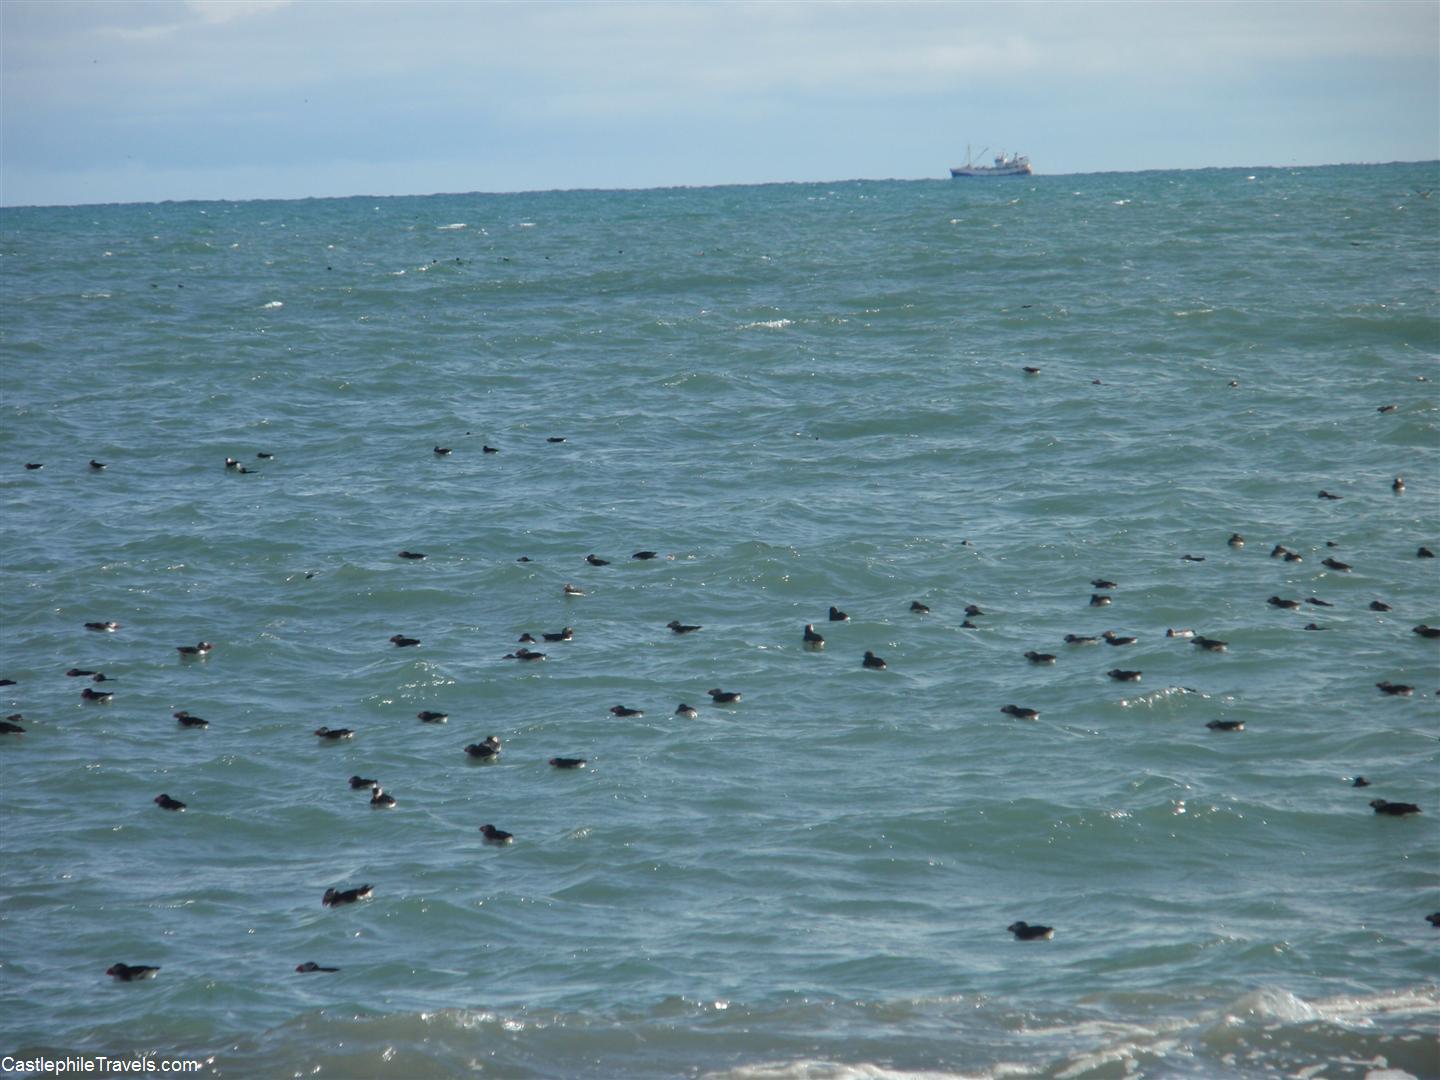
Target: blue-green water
point(800, 396)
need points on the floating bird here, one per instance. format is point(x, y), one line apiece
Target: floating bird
point(485, 750)
point(496, 836)
point(165, 802)
point(872, 661)
point(1020, 712)
point(556, 439)
point(1102, 583)
point(1424, 553)
point(1031, 370)
point(1236, 540)
point(441, 451)
point(1335, 564)
point(1278, 550)
point(1394, 809)
point(1379, 605)
point(1081, 639)
point(9, 727)
point(1387, 408)
point(677, 627)
point(568, 762)
point(1112, 638)
point(1312, 626)
point(524, 654)
point(919, 608)
point(687, 711)
point(642, 555)
point(194, 650)
point(724, 697)
point(131, 972)
point(1327, 495)
point(400, 641)
point(490, 449)
point(33, 465)
point(105, 627)
point(309, 965)
point(1360, 781)
point(1397, 485)
point(1318, 602)
point(8, 682)
point(560, 635)
point(98, 465)
point(1289, 605)
point(431, 717)
point(1226, 725)
point(1121, 675)
point(379, 800)
point(571, 590)
point(334, 734)
point(76, 673)
point(1294, 556)
point(358, 782)
point(263, 455)
point(96, 695)
point(1023, 931)
point(1434, 919)
point(410, 554)
point(1040, 657)
point(336, 897)
point(526, 638)
point(811, 638)
point(836, 615)
point(1100, 600)
point(185, 719)
point(1395, 689)
point(622, 710)
point(1209, 644)
point(595, 560)
point(973, 610)
point(1426, 631)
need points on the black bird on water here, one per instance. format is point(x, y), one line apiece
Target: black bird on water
point(336, 897)
point(1023, 931)
point(131, 972)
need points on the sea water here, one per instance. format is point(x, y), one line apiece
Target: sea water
point(799, 396)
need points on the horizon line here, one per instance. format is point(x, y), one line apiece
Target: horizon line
point(704, 187)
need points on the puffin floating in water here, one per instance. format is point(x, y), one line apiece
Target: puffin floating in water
point(1023, 931)
point(131, 972)
point(486, 749)
point(336, 897)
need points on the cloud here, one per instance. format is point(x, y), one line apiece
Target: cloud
point(224, 11)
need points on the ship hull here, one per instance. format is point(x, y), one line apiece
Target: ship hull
point(986, 170)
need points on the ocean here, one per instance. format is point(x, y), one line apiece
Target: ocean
point(799, 397)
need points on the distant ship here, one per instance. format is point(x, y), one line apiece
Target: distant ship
point(1005, 165)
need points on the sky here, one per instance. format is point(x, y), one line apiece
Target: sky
point(121, 101)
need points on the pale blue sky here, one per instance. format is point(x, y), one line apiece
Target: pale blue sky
point(206, 99)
